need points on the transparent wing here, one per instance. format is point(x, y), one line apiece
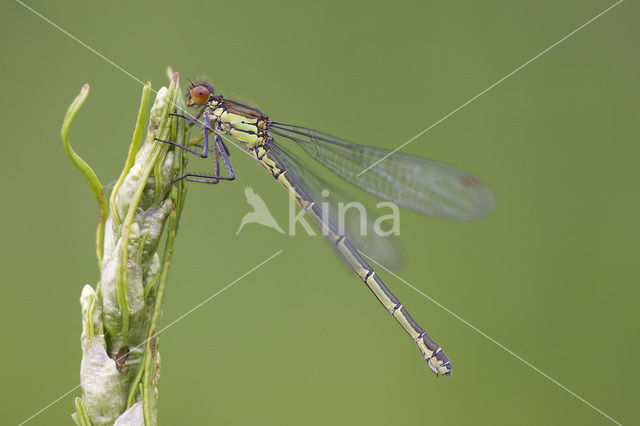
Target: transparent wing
point(356, 221)
point(422, 185)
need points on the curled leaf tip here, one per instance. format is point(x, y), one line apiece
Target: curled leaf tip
point(82, 165)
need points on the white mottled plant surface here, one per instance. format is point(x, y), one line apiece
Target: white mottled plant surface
point(120, 360)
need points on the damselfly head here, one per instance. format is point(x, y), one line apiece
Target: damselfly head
point(199, 94)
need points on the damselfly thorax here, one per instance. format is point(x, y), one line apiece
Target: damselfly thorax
point(244, 123)
point(250, 126)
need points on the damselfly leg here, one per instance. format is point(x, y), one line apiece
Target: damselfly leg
point(204, 178)
point(219, 149)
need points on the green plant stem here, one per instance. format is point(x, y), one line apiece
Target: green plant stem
point(83, 417)
point(133, 148)
point(158, 150)
point(178, 193)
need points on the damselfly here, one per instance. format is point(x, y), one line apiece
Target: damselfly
point(419, 184)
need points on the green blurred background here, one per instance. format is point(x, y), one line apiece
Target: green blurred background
point(552, 274)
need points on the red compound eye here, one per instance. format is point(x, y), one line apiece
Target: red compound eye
point(200, 94)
